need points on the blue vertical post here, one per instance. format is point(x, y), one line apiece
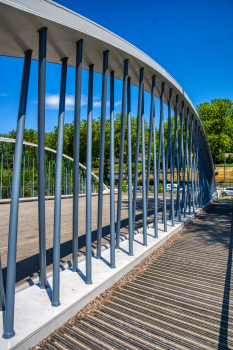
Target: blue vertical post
point(175, 150)
point(122, 143)
point(12, 241)
point(194, 165)
point(178, 176)
point(186, 162)
point(129, 169)
point(49, 178)
point(58, 183)
point(88, 175)
point(144, 191)
point(137, 143)
point(41, 154)
point(182, 157)
point(112, 165)
point(163, 162)
point(154, 162)
point(101, 152)
point(191, 158)
point(150, 138)
point(2, 295)
point(171, 159)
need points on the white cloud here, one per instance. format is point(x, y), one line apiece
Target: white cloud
point(118, 103)
point(52, 101)
point(3, 94)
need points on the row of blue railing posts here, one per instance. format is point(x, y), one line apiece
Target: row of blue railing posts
point(193, 155)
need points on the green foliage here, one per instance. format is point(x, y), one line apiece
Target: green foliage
point(217, 119)
point(160, 188)
point(124, 187)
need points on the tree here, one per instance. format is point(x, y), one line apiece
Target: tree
point(217, 119)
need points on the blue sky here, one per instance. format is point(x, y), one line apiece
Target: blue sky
point(192, 40)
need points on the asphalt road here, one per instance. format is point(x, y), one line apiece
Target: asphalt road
point(27, 264)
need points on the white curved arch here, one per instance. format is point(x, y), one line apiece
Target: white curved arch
point(6, 139)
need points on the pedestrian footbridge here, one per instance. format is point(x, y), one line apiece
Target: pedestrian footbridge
point(188, 281)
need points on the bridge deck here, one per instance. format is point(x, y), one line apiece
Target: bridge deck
point(181, 301)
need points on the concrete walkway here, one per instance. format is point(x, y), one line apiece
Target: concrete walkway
point(183, 300)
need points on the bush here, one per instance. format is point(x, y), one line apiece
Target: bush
point(151, 189)
point(124, 187)
point(160, 188)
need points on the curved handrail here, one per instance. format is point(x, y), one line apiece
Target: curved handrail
point(6, 139)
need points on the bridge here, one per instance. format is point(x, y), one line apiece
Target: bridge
point(44, 31)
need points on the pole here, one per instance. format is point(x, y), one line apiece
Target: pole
point(41, 154)
point(101, 152)
point(12, 241)
point(171, 159)
point(137, 144)
point(154, 163)
point(88, 175)
point(58, 184)
point(163, 161)
point(129, 169)
point(144, 191)
point(112, 193)
point(122, 143)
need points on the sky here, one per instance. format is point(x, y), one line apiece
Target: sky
point(191, 39)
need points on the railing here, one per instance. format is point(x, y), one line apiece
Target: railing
point(76, 41)
point(29, 174)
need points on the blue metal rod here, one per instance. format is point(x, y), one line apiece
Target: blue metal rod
point(137, 144)
point(182, 157)
point(163, 161)
point(58, 183)
point(122, 143)
point(12, 241)
point(191, 158)
point(101, 152)
point(112, 166)
point(150, 138)
point(178, 176)
point(41, 154)
point(186, 161)
point(2, 295)
point(194, 164)
point(175, 149)
point(129, 169)
point(171, 159)
point(144, 190)
point(154, 162)
point(88, 175)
